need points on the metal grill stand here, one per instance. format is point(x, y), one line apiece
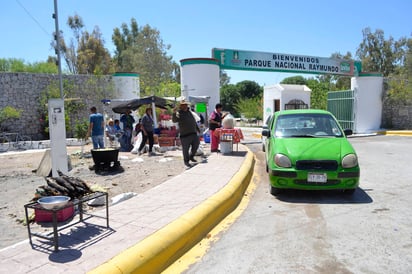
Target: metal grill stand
point(54, 212)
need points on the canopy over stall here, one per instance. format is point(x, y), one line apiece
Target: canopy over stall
point(134, 104)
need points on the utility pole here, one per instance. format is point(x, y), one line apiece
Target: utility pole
point(57, 124)
point(57, 38)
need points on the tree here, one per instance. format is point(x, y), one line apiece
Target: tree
point(337, 82)
point(18, 65)
point(85, 54)
point(224, 78)
point(249, 89)
point(142, 49)
point(294, 80)
point(229, 96)
point(319, 94)
point(380, 55)
point(250, 108)
point(92, 56)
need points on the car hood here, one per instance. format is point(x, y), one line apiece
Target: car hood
point(313, 148)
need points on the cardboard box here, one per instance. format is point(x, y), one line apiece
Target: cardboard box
point(47, 216)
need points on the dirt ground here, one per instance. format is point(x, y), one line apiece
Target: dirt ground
point(18, 181)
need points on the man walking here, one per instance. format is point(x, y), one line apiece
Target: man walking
point(188, 130)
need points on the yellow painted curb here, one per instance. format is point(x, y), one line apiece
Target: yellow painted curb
point(156, 252)
point(396, 132)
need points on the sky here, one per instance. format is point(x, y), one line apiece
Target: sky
point(192, 28)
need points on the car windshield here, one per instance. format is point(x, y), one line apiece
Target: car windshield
point(307, 125)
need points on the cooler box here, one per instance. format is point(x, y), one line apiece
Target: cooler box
point(47, 216)
point(206, 138)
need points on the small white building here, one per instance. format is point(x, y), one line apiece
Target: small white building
point(281, 97)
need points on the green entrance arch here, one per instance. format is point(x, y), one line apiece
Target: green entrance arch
point(233, 59)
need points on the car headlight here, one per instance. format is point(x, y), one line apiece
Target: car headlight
point(282, 160)
point(350, 160)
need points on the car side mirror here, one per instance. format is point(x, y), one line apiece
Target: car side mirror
point(266, 133)
point(348, 132)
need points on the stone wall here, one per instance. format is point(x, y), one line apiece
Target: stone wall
point(395, 116)
point(23, 90)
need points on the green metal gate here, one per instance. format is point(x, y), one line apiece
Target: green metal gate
point(341, 104)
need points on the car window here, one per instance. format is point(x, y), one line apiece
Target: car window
point(307, 125)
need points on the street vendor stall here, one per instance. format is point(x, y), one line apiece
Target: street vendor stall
point(161, 137)
point(232, 135)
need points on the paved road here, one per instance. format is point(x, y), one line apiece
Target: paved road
point(325, 232)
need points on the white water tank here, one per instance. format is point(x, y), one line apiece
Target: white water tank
point(127, 85)
point(201, 77)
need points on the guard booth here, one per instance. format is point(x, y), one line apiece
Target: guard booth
point(281, 97)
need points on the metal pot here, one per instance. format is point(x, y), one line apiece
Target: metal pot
point(53, 202)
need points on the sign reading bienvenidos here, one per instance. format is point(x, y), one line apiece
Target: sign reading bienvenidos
point(265, 61)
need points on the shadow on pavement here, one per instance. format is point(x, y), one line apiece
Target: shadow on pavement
point(324, 197)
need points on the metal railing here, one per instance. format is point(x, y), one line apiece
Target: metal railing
point(14, 141)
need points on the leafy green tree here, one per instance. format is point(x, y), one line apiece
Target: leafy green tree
point(250, 108)
point(294, 80)
point(169, 89)
point(249, 89)
point(379, 54)
point(400, 92)
point(85, 53)
point(319, 94)
point(142, 49)
point(407, 68)
point(18, 65)
point(80, 132)
point(337, 82)
point(229, 96)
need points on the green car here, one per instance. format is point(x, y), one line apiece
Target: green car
point(307, 149)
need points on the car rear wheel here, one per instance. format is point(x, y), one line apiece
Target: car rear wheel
point(274, 191)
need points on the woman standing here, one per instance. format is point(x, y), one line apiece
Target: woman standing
point(215, 121)
point(147, 128)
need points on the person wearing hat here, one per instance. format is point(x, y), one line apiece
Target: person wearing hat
point(188, 130)
point(111, 132)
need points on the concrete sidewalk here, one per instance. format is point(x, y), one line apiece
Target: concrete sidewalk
point(147, 232)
